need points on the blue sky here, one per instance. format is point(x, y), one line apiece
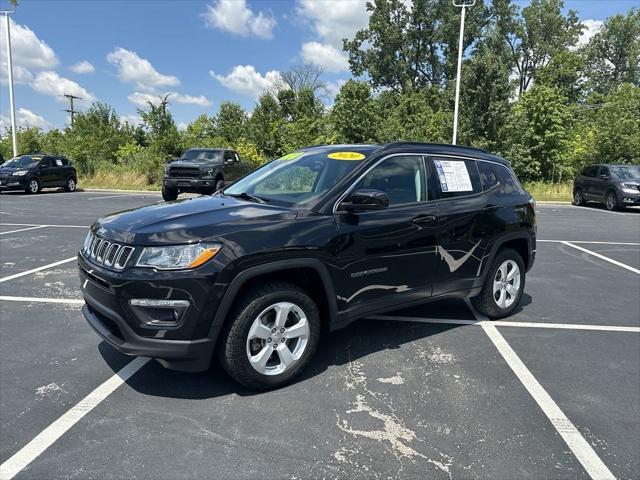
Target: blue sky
point(125, 52)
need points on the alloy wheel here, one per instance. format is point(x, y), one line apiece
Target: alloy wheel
point(506, 284)
point(277, 338)
point(71, 185)
point(33, 186)
point(611, 201)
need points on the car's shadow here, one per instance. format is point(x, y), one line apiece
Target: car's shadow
point(341, 347)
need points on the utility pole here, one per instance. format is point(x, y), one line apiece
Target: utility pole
point(460, 4)
point(12, 105)
point(70, 110)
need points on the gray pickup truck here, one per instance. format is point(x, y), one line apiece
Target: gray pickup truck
point(201, 170)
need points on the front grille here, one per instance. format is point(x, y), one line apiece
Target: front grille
point(104, 252)
point(184, 172)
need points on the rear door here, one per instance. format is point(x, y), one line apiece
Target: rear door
point(464, 208)
point(59, 171)
point(589, 179)
point(388, 257)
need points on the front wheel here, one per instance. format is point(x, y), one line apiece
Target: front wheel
point(33, 186)
point(611, 201)
point(503, 286)
point(169, 194)
point(272, 333)
point(219, 185)
point(578, 197)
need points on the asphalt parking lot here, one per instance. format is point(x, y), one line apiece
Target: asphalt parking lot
point(428, 392)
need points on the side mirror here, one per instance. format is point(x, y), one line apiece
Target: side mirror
point(365, 200)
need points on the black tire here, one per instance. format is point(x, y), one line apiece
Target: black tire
point(578, 197)
point(219, 185)
point(232, 349)
point(169, 194)
point(70, 185)
point(486, 302)
point(33, 186)
point(611, 201)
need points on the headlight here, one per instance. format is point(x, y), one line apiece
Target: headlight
point(177, 257)
point(87, 242)
point(20, 173)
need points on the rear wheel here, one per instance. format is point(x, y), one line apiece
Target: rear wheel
point(272, 334)
point(578, 198)
point(503, 286)
point(70, 185)
point(169, 194)
point(611, 201)
point(33, 186)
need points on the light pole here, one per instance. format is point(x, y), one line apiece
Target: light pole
point(12, 105)
point(461, 4)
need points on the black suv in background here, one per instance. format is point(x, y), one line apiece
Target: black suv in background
point(198, 170)
point(309, 242)
point(617, 186)
point(32, 173)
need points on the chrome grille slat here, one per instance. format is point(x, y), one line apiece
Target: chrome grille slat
point(109, 254)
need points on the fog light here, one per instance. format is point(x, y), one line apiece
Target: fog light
point(159, 313)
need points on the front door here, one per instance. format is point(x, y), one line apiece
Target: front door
point(388, 257)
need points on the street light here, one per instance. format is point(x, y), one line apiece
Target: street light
point(12, 105)
point(460, 4)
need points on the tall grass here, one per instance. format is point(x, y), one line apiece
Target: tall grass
point(542, 191)
point(117, 180)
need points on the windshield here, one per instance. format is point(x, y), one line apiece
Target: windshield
point(201, 155)
point(297, 177)
point(626, 171)
point(22, 162)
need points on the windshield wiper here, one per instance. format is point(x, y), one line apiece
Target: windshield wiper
point(246, 196)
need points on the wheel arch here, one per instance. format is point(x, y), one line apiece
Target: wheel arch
point(522, 243)
point(308, 273)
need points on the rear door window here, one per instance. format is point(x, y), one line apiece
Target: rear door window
point(456, 177)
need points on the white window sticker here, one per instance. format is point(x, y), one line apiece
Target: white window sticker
point(453, 175)
point(58, 162)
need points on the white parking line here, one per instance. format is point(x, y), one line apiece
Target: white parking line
point(587, 242)
point(541, 206)
point(22, 230)
point(70, 301)
point(502, 323)
point(37, 225)
point(53, 432)
point(602, 257)
point(118, 196)
point(589, 459)
point(34, 270)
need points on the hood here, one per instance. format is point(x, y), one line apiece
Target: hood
point(189, 220)
point(191, 164)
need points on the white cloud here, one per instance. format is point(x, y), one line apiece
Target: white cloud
point(245, 80)
point(52, 84)
point(591, 27)
point(333, 88)
point(139, 71)
point(82, 67)
point(131, 119)
point(324, 55)
point(334, 20)
point(27, 49)
point(236, 17)
point(24, 118)
point(141, 99)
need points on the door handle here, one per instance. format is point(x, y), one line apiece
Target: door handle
point(424, 219)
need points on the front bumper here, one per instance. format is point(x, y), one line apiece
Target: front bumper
point(181, 342)
point(627, 196)
point(189, 184)
point(13, 183)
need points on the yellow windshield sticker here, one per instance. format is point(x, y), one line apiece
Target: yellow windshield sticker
point(346, 156)
point(291, 156)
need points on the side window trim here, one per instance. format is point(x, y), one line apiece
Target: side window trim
point(378, 162)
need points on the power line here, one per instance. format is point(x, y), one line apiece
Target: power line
point(70, 110)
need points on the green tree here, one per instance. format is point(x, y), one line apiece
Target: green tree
point(265, 126)
point(538, 133)
point(613, 54)
point(354, 115)
point(160, 128)
point(537, 36)
point(230, 123)
point(200, 133)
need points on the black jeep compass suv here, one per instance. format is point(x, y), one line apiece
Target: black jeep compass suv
point(308, 242)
